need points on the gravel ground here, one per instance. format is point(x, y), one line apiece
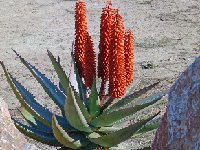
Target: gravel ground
point(167, 34)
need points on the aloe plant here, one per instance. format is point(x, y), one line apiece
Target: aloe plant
point(84, 124)
point(90, 118)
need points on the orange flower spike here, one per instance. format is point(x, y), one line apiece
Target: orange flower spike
point(129, 56)
point(80, 34)
point(117, 79)
point(104, 45)
point(89, 67)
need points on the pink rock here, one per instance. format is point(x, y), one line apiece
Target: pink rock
point(160, 141)
point(10, 137)
point(180, 127)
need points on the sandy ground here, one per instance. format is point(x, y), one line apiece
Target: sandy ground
point(167, 32)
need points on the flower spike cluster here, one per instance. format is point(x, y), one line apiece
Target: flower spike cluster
point(115, 58)
point(89, 68)
point(117, 80)
point(129, 56)
point(104, 45)
point(80, 35)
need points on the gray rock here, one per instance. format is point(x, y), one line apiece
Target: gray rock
point(10, 137)
point(182, 129)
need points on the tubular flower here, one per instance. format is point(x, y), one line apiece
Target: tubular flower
point(80, 34)
point(129, 56)
point(89, 67)
point(117, 80)
point(104, 45)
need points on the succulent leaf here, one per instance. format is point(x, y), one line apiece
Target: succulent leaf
point(50, 88)
point(152, 98)
point(10, 82)
point(108, 129)
point(119, 136)
point(60, 72)
point(71, 140)
point(108, 102)
point(129, 90)
point(81, 106)
point(23, 91)
point(20, 98)
point(39, 135)
point(73, 113)
point(27, 115)
point(37, 110)
point(94, 102)
point(34, 108)
point(106, 119)
point(73, 78)
point(148, 127)
point(132, 87)
point(128, 99)
point(81, 86)
point(34, 122)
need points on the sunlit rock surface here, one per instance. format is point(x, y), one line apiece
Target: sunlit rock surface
point(181, 123)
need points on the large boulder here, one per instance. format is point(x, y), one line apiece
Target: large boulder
point(160, 141)
point(10, 137)
point(180, 127)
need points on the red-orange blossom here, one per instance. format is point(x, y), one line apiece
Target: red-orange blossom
point(115, 59)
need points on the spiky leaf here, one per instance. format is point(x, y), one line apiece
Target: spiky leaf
point(132, 87)
point(38, 135)
point(81, 105)
point(108, 102)
point(107, 119)
point(79, 100)
point(27, 115)
point(21, 99)
point(108, 129)
point(50, 88)
point(34, 122)
point(119, 136)
point(94, 102)
point(29, 103)
point(128, 99)
point(34, 108)
point(148, 127)
point(72, 140)
point(81, 86)
point(60, 72)
point(73, 113)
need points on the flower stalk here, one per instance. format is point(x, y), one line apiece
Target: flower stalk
point(129, 56)
point(104, 45)
point(117, 78)
point(89, 67)
point(80, 35)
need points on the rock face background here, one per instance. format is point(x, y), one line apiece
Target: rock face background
point(181, 124)
point(10, 137)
